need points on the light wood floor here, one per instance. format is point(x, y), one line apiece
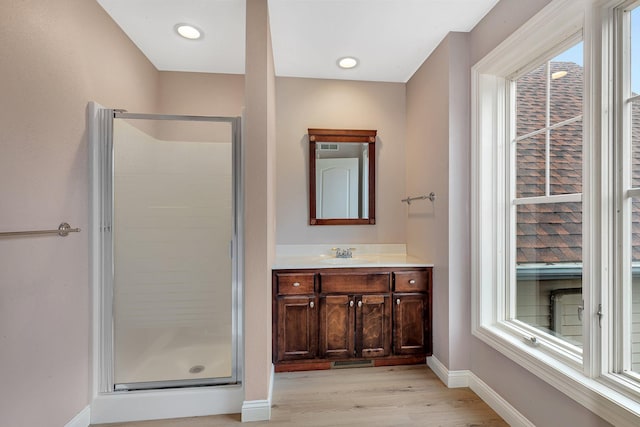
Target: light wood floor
point(372, 397)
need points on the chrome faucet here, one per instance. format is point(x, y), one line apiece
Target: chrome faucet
point(344, 253)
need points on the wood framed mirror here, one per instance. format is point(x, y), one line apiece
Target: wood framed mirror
point(342, 176)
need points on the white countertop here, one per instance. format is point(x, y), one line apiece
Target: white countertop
point(322, 256)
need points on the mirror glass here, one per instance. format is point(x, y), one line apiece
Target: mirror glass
point(342, 177)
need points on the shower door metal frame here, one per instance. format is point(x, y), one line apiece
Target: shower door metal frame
point(102, 248)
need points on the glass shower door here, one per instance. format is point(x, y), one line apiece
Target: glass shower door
point(174, 229)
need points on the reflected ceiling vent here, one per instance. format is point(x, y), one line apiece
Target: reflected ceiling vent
point(330, 146)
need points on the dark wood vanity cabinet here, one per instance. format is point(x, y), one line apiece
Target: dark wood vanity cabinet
point(341, 314)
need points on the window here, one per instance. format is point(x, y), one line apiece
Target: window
point(556, 202)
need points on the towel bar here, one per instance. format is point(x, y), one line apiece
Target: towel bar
point(63, 230)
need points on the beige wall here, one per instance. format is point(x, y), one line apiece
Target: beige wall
point(259, 199)
point(55, 58)
point(428, 170)
point(201, 93)
point(437, 160)
point(459, 207)
point(316, 103)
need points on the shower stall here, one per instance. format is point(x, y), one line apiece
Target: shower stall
point(167, 234)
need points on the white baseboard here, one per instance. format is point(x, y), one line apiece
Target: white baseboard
point(497, 403)
point(452, 379)
point(259, 410)
point(164, 404)
point(256, 410)
point(464, 378)
point(83, 419)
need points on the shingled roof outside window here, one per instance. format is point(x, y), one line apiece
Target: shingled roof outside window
point(549, 233)
point(552, 233)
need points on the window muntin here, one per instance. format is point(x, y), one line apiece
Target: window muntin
point(547, 201)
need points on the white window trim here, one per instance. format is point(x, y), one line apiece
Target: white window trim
point(577, 379)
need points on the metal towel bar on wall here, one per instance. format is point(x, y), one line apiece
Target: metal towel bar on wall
point(431, 196)
point(63, 230)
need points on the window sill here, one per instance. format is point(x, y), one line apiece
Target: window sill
point(609, 404)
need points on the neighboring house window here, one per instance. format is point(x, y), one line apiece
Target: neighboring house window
point(555, 227)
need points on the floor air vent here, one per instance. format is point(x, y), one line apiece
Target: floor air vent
point(352, 364)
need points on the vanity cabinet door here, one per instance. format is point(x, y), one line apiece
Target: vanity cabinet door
point(297, 325)
point(337, 329)
point(411, 329)
point(373, 326)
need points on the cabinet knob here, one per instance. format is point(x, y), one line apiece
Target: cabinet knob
point(296, 284)
point(398, 301)
point(412, 282)
point(311, 304)
point(350, 303)
point(359, 304)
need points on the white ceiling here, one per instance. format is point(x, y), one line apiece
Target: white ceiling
point(391, 38)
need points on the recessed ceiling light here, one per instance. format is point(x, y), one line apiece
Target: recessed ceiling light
point(188, 31)
point(347, 62)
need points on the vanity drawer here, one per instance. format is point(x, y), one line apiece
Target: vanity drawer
point(295, 283)
point(350, 283)
point(411, 281)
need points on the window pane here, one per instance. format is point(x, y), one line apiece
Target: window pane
point(549, 269)
point(566, 159)
point(531, 105)
point(530, 166)
point(567, 84)
point(635, 51)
